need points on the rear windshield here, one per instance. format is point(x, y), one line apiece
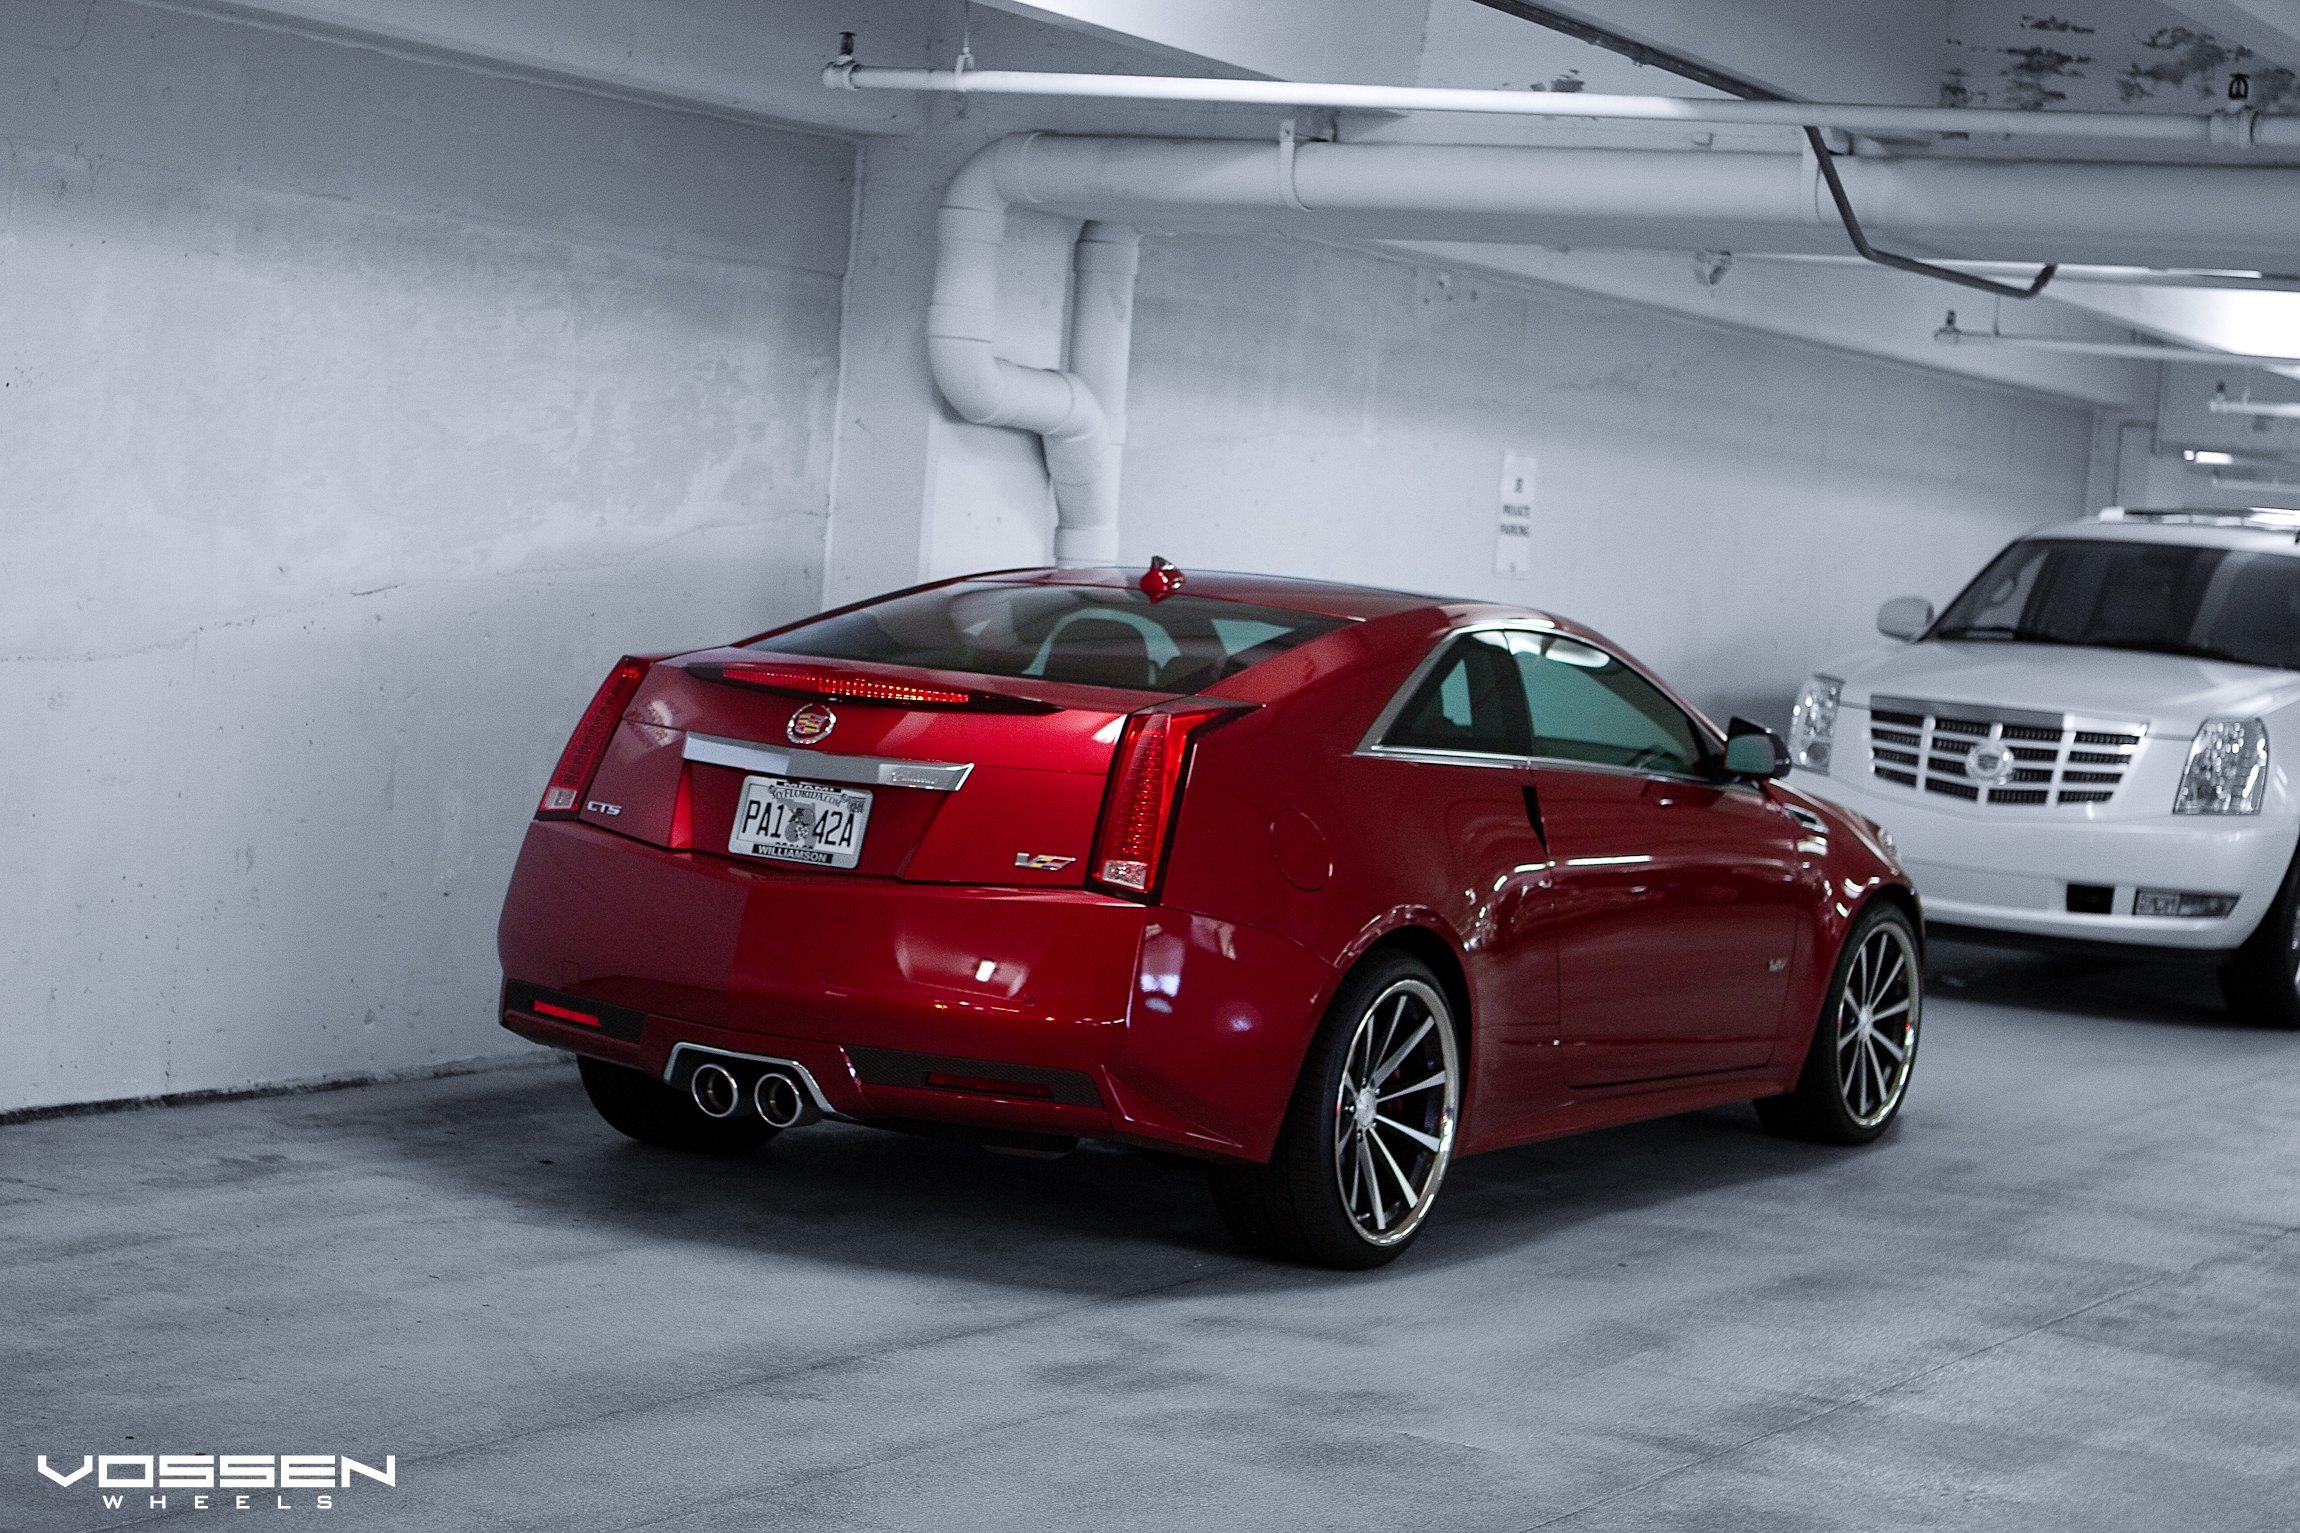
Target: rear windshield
point(1102, 637)
point(2215, 603)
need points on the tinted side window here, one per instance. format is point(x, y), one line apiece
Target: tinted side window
point(1471, 702)
point(2253, 612)
point(1997, 600)
point(1588, 706)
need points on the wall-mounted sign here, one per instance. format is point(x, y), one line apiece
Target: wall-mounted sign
point(1513, 531)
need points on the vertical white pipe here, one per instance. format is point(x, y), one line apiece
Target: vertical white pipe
point(1101, 346)
point(1060, 406)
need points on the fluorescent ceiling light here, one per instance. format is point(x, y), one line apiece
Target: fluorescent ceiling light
point(2221, 404)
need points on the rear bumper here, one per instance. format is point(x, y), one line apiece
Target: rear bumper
point(2010, 872)
point(1033, 1010)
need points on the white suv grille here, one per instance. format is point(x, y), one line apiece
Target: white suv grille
point(1999, 755)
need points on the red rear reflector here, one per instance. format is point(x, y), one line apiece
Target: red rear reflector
point(983, 1083)
point(561, 1013)
point(1145, 781)
point(836, 684)
point(563, 798)
point(683, 810)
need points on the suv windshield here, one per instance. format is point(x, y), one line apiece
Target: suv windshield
point(2215, 603)
point(1101, 636)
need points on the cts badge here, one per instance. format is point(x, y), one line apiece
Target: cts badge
point(811, 723)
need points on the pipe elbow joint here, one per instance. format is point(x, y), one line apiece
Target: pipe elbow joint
point(1081, 418)
point(965, 369)
point(992, 177)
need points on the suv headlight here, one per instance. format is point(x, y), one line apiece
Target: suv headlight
point(1813, 722)
point(2227, 769)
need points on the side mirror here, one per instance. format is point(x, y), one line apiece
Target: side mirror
point(1905, 617)
point(1753, 752)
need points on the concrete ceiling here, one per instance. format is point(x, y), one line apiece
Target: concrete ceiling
point(744, 59)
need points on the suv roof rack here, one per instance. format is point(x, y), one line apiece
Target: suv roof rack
point(2266, 518)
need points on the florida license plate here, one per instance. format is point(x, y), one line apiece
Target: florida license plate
point(800, 822)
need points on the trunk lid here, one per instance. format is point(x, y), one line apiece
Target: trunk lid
point(1003, 787)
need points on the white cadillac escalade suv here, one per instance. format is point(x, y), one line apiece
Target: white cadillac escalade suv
point(2096, 741)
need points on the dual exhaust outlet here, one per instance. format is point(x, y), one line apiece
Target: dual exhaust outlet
point(776, 1094)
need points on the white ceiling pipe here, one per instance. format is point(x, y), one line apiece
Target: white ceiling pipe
point(2113, 276)
point(2235, 129)
point(1061, 407)
point(2185, 215)
point(2173, 215)
point(1950, 335)
point(1068, 172)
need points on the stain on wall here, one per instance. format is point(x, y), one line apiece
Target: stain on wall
point(2107, 55)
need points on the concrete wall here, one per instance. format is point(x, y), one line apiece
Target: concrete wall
point(355, 414)
point(1732, 508)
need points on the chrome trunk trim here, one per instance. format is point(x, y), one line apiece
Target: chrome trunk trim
point(822, 766)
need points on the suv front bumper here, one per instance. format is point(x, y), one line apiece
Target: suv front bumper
point(2001, 870)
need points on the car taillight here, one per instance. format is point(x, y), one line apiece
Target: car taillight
point(1145, 782)
point(855, 687)
point(831, 684)
point(563, 798)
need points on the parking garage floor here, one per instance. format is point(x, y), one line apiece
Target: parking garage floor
point(2061, 1295)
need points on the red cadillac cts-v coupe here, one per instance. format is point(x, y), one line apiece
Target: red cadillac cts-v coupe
point(1318, 884)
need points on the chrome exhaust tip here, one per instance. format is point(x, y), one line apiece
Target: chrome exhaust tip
point(716, 1092)
point(781, 1101)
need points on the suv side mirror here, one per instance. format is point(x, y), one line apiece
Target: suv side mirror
point(1905, 617)
point(1753, 752)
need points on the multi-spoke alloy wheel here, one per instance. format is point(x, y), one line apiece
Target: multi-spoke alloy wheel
point(1394, 1112)
point(1877, 1025)
point(1369, 1130)
point(1865, 1042)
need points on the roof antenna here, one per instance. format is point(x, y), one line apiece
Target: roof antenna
point(1162, 579)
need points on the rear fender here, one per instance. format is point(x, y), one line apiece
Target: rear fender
point(1222, 1017)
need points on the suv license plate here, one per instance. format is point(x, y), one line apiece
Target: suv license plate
point(800, 822)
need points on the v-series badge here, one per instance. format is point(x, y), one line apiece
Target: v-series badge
point(1042, 862)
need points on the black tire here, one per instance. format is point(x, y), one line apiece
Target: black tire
point(641, 1106)
point(1853, 1083)
point(2261, 980)
point(1313, 1202)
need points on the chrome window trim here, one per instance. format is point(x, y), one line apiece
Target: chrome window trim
point(822, 766)
point(1371, 745)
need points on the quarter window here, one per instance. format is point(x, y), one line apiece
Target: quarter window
point(1472, 701)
